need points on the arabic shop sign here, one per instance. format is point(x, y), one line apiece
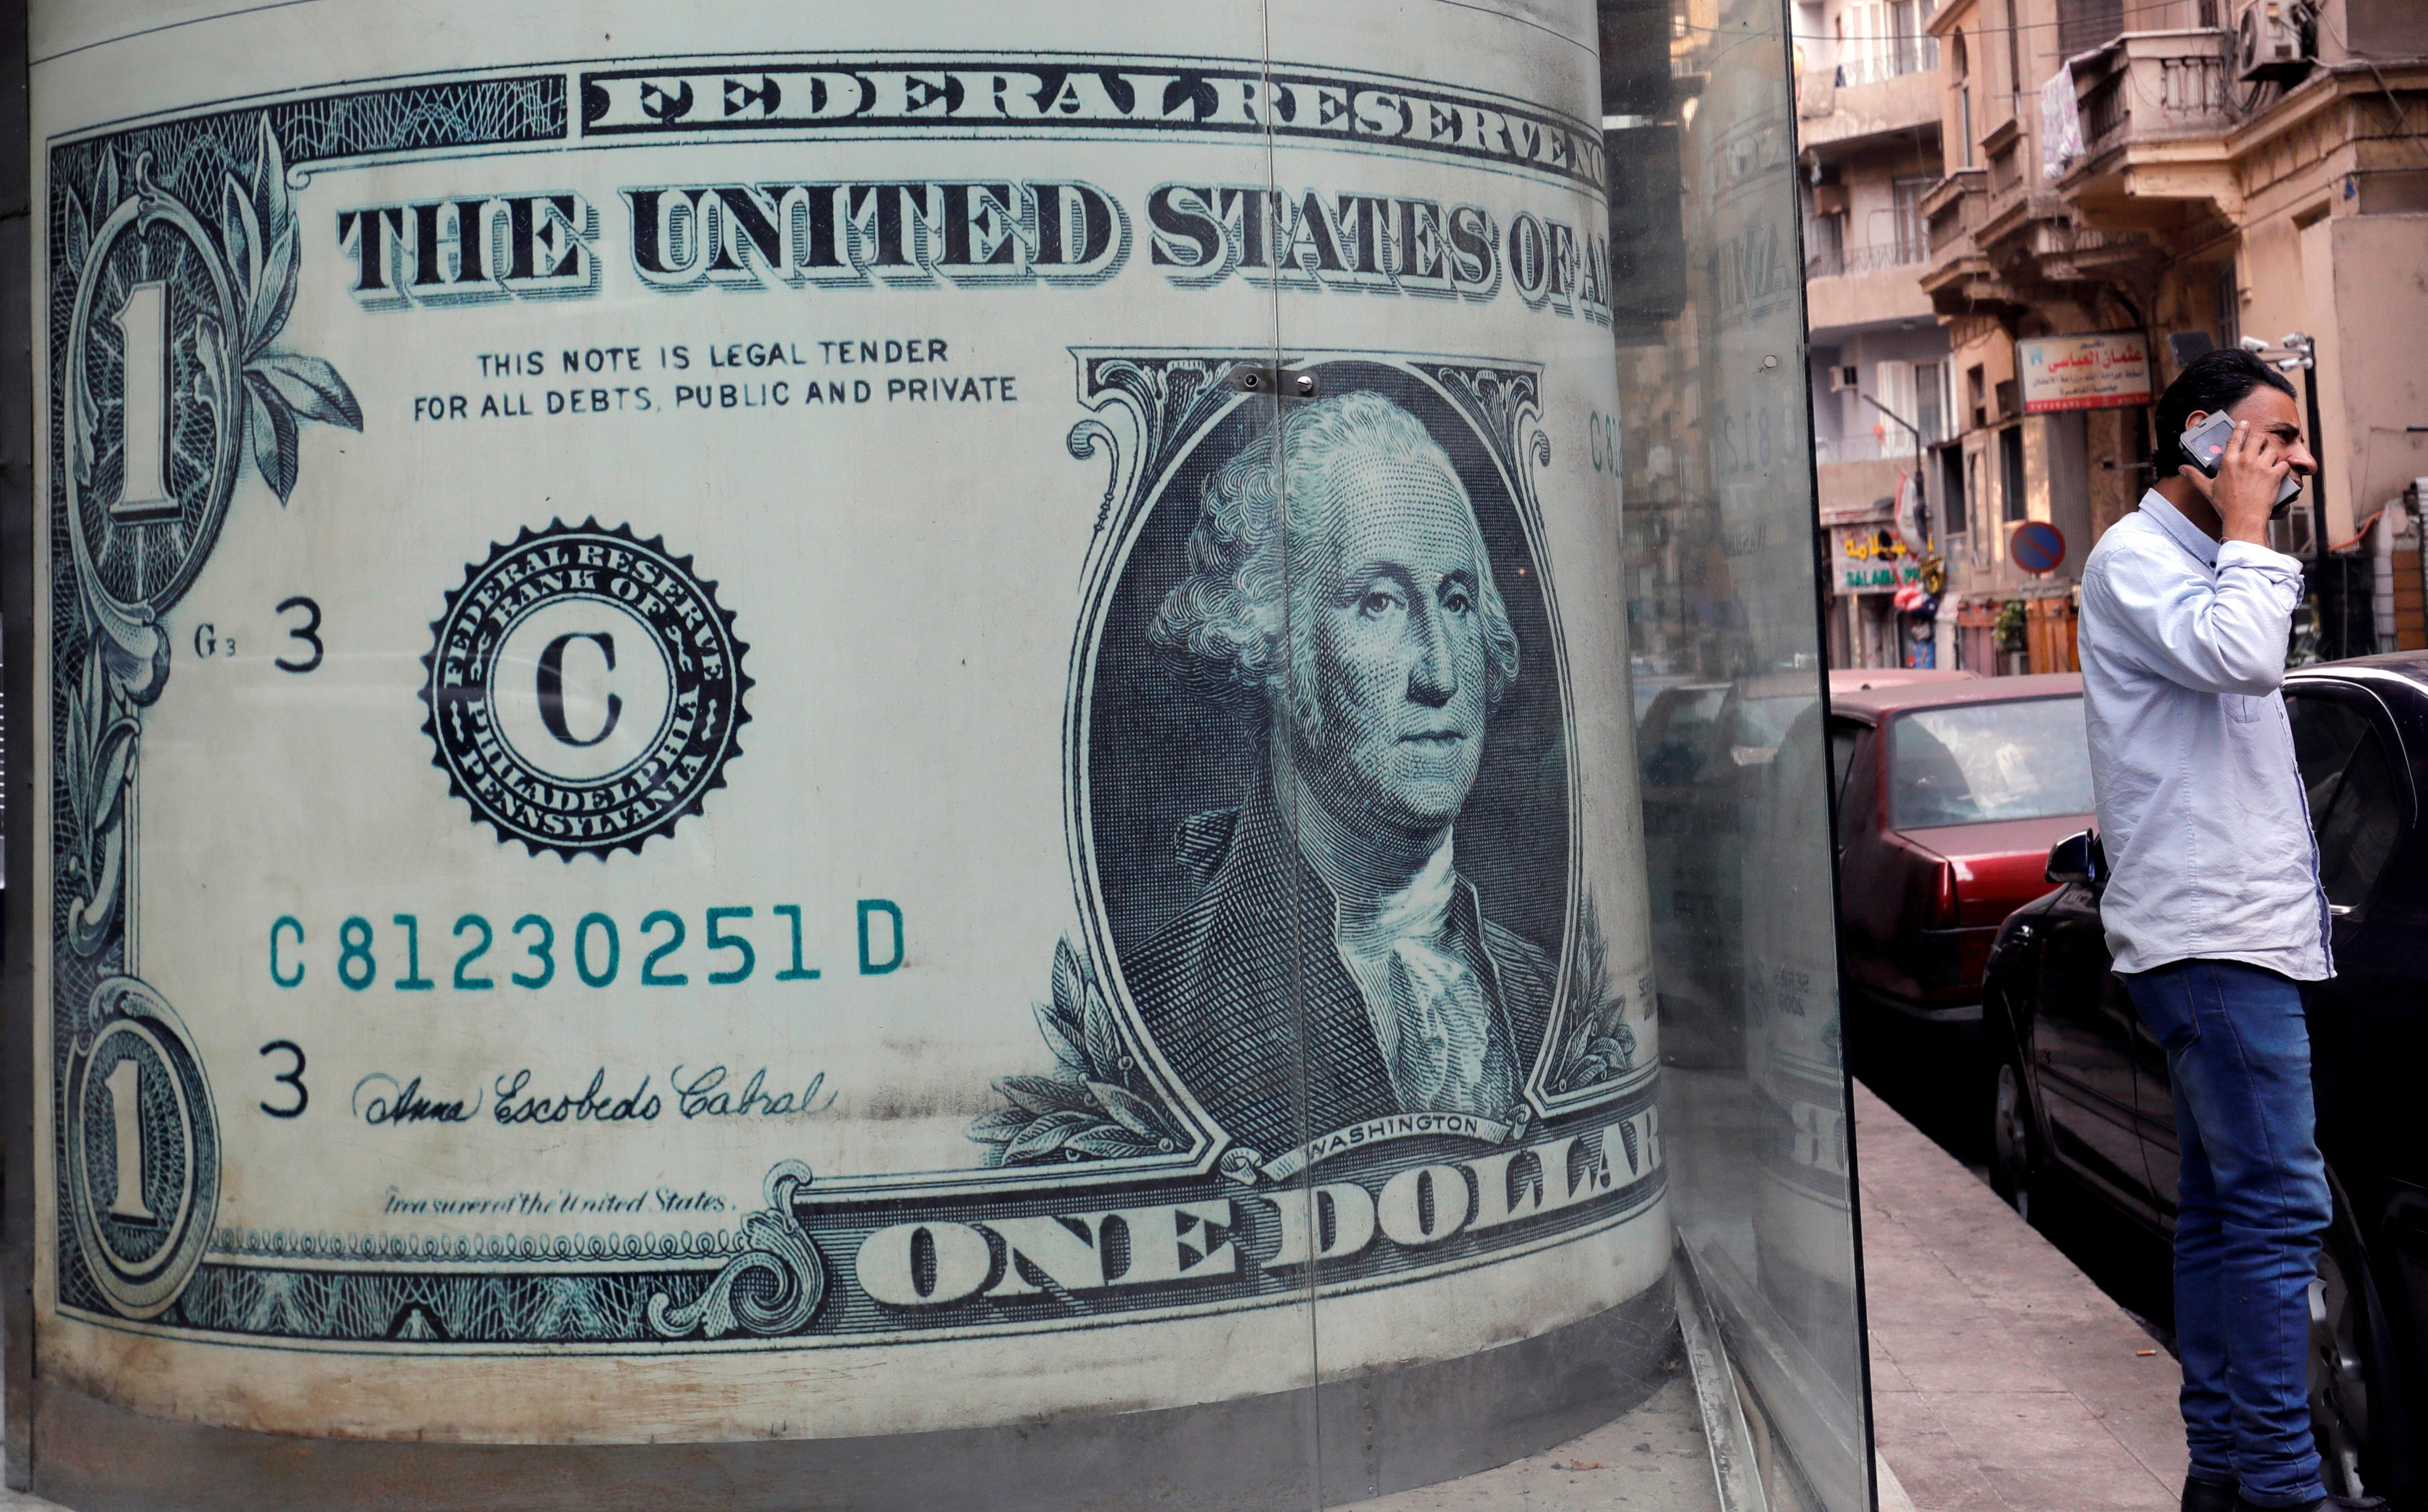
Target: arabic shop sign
point(1870, 559)
point(2105, 371)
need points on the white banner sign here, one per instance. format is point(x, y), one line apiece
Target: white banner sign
point(2107, 370)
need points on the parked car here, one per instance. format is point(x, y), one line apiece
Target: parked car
point(1949, 796)
point(1846, 680)
point(1700, 734)
point(2080, 1089)
point(1702, 747)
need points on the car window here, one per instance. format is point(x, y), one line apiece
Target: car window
point(2326, 734)
point(1980, 763)
point(2356, 835)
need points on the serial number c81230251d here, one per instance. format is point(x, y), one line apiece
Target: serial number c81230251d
point(539, 952)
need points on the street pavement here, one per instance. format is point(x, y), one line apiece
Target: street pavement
point(2002, 1379)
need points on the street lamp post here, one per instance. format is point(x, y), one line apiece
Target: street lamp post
point(1920, 491)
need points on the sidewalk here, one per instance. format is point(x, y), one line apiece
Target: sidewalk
point(2002, 1379)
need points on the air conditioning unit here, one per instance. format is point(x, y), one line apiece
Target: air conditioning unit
point(1843, 378)
point(2271, 39)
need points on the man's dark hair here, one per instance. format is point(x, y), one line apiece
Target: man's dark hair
point(2210, 382)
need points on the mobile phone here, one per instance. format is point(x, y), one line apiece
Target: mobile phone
point(2204, 445)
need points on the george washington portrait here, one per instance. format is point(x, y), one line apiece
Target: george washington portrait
point(1338, 605)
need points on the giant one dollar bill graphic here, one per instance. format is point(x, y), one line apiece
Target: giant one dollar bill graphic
point(822, 713)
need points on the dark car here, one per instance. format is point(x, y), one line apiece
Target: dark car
point(2080, 1089)
point(1949, 796)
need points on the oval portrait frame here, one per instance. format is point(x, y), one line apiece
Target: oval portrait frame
point(1145, 756)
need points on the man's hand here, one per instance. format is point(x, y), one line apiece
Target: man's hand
point(2248, 477)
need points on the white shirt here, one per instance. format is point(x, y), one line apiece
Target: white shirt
point(2201, 807)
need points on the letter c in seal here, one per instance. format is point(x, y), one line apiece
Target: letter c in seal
point(551, 686)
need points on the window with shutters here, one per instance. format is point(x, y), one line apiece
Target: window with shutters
point(1905, 34)
point(1930, 401)
point(2011, 473)
point(2084, 25)
point(1905, 194)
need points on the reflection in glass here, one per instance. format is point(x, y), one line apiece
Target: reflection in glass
point(1714, 454)
point(1981, 763)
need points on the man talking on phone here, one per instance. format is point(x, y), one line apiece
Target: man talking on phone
point(2212, 907)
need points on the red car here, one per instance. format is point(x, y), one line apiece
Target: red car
point(1949, 796)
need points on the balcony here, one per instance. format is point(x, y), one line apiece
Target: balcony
point(1952, 208)
point(2159, 86)
point(1859, 490)
point(1893, 446)
point(1865, 285)
point(2073, 252)
point(2155, 109)
point(2012, 170)
point(1898, 59)
point(1836, 262)
point(1893, 89)
point(1957, 276)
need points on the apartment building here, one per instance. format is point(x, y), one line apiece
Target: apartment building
point(1868, 154)
point(2136, 180)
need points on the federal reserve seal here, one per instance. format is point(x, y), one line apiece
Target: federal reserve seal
point(585, 689)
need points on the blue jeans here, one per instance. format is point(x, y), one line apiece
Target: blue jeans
point(2252, 1204)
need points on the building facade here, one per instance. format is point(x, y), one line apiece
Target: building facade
point(2161, 177)
point(1868, 154)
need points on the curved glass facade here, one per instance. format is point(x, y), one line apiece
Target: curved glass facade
point(981, 757)
point(1721, 588)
